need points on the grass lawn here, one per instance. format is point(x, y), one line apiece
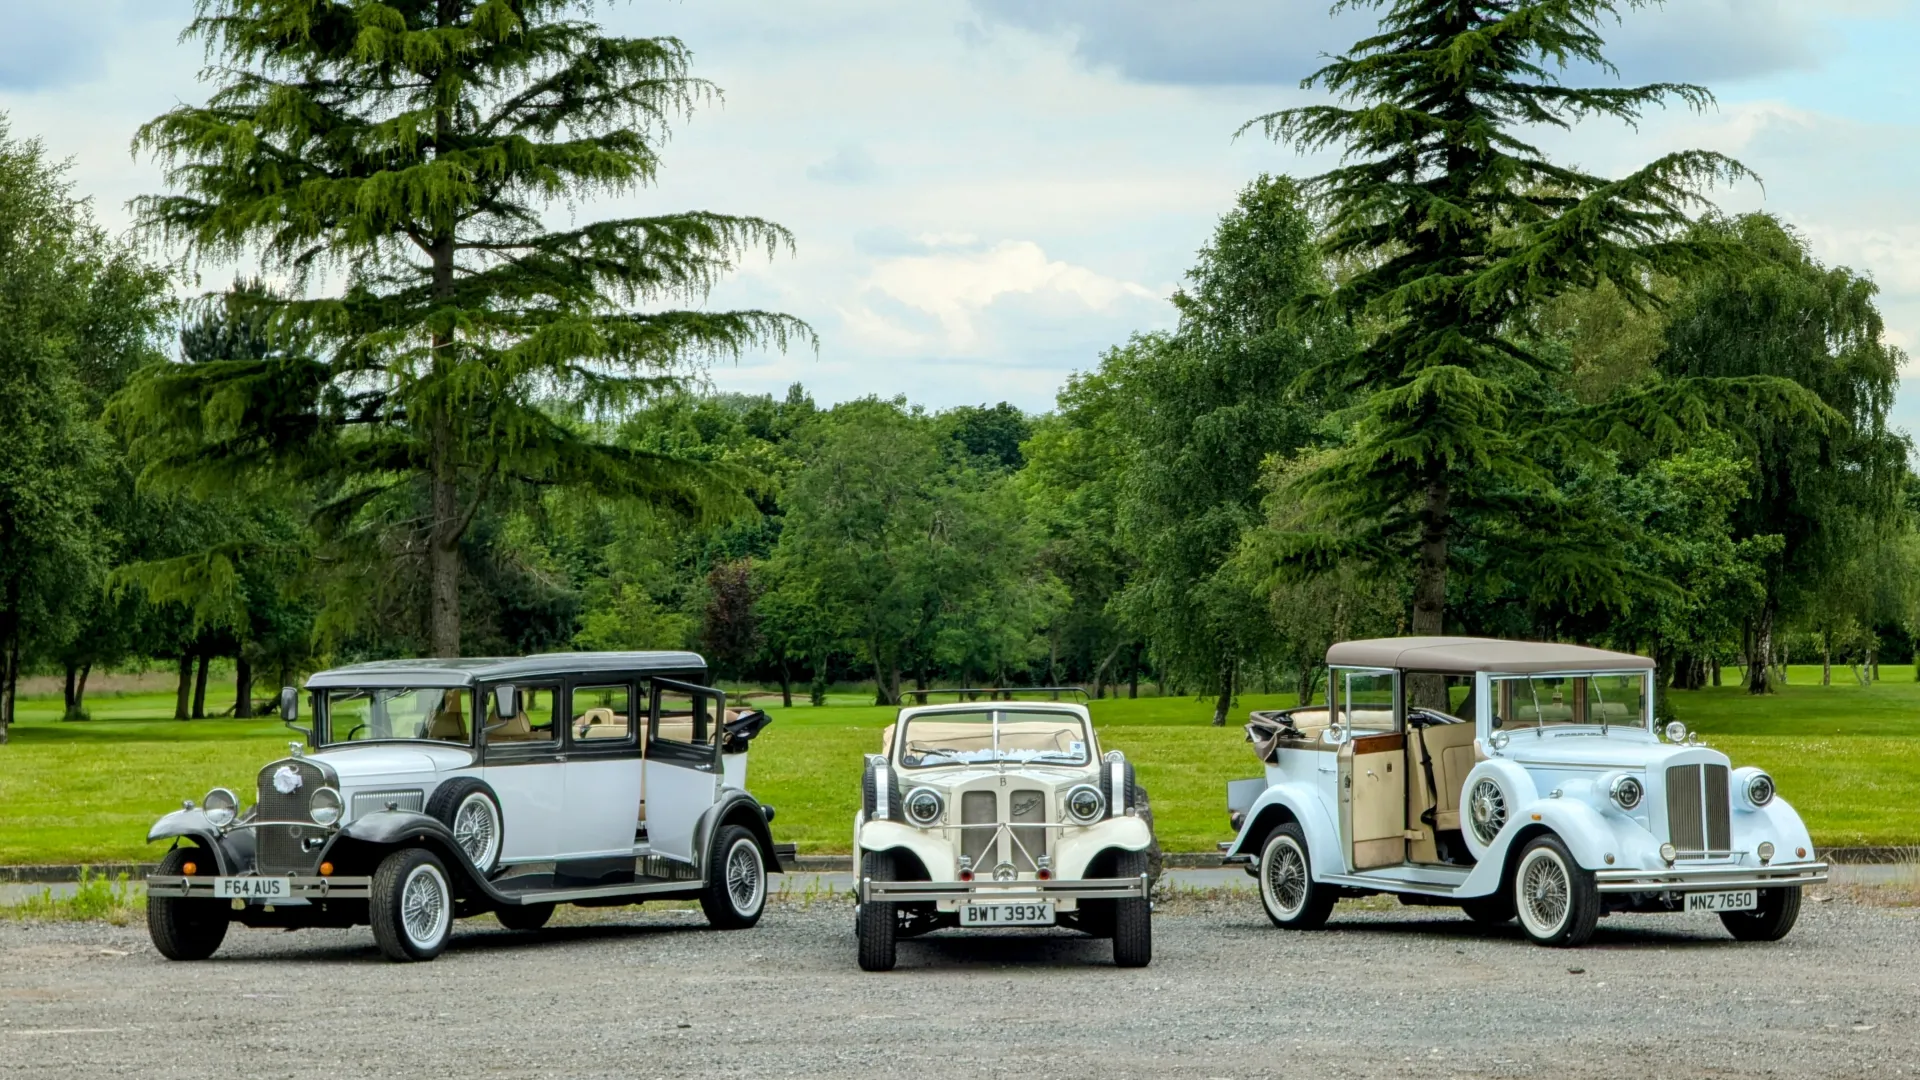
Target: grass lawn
point(1847, 756)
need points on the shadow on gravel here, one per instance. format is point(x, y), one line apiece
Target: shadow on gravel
point(1609, 933)
point(1039, 949)
point(483, 936)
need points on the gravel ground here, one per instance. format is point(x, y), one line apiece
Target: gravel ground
point(1387, 991)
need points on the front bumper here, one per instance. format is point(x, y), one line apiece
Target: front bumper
point(1699, 879)
point(201, 887)
point(1006, 892)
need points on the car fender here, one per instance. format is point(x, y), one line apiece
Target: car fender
point(1077, 848)
point(934, 853)
point(1303, 805)
point(1777, 822)
point(1590, 837)
point(735, 805)
point(1516, 784)
point(193, 825)
point(410, 828)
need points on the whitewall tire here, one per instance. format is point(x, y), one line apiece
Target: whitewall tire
point(1554, 896)
point(1294, 901)
point(411, 905)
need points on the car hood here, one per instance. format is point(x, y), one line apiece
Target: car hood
point(954, 776)
point(388, 760)
point(1615, 750)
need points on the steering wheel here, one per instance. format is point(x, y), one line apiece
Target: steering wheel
point(357, 729)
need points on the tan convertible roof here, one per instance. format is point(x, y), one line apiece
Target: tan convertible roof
point(1467, 654)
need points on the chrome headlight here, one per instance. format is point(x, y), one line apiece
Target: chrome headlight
point(1759, 789)
point(1626, 791)
point(1676, 732)
point(324, 806)
point(1085, 804)
point(924, 806)
point(221, 806)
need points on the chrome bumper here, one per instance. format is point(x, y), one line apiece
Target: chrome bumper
point(1006, 892)
point(1698, 879)
point(200, 887)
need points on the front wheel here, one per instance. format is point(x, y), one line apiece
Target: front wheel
point(736, 891)
point(184, 929)
point(1555, 896)
point(411, 906)
point(1294, 901)
point(874, 922)
point(1779, 909)
point(1132, 918)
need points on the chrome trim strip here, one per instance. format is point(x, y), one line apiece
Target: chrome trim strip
point(1010, 892)
point(200, 887)
point(1695, 880)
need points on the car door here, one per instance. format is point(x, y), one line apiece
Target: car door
point(603, 769)
point(682, 768)
point(1372, 767)
point(523, 762)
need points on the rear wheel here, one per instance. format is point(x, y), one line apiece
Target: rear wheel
point(1555, 897)
point(1779, 909)
point(411, 906)
point(1133, 918)
point(1294, 901)
point(736, 891)
point(1495, 910)
point(184, 929)
point(874, 921)
point(524, 917)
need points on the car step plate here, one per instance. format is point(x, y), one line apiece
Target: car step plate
point(1006, 914)
point(1731, 900)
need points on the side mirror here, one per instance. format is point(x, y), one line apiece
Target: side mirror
point(506, 702)
point(289, 704)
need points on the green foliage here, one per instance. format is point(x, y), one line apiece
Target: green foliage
point(410, 148)
point(95, 898)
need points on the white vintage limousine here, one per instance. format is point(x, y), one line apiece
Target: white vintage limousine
point(438, 789)
point(1511, 779)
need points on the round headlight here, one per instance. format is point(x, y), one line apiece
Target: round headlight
point(220, 806)
point(1498, 740)
point(924, 806)
point(1626, 791)
point(1676, 731)
point(1668, 853)
point(324, 806)
point(1760, 789)
point(1085, 804)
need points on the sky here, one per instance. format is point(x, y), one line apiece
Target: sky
point(987, 194)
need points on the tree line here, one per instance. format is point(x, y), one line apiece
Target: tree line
point(1449, 386)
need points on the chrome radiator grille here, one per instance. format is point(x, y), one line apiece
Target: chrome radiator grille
point(978, 808)
point(1029, 841)
point(1699, 814)
point(1024, 810)
point(280, 849)
point(292, 806)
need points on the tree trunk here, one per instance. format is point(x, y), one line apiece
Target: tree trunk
point(1225, 702)
point(1760, 655)
point(200, 686)
point(1303, 692)
point(9, 681)
point(786, 686)
point(73, 672)
point(242, 686)
point(1430, 578)
point(183, 693)
point(1133, 673)
point(1826, 658)
point(1713, 669)
point(80, 691)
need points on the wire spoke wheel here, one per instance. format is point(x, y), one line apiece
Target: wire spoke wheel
point(424, 906)
point(476, 829)
point(1487, 806)
point(1286, 879)
point(746, 877)
point(1544, 893)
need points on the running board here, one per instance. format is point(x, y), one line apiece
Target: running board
point(597, 892)
point(1378, 884)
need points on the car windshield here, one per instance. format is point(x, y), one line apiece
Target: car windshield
point(1548, 701)
point(427, 714)
point(994, 735)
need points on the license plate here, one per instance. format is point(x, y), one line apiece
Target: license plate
point(253, 888)
point(1006, 915)
point(1737, 900)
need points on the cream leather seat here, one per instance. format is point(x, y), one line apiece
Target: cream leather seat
point(1450, 746)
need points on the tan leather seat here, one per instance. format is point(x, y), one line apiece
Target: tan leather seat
point(449, 723)
point(1451, 748)
point(599, 723)
point(515, 729)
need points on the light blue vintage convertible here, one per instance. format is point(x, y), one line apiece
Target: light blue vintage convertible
point(1510, 778)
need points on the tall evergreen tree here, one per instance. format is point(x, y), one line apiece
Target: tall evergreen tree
point(408, 149)
point(1457, 226)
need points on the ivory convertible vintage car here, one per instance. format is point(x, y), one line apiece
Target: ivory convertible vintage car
point(1510, 778)
point(1001, 814)
point(440, 789)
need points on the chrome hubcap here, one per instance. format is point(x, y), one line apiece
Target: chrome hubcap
point(423, 906)
point(475, 830)
point(1544, 891)
point(1286, 877)
point(745, 878)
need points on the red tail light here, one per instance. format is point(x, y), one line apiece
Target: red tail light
point(1046, 875)
point(966, 875)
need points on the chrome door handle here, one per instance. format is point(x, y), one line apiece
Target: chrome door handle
point(559, 757)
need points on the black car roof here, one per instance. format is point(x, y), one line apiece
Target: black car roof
point(468, 671)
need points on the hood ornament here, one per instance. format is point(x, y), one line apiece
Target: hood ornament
point(286, 780)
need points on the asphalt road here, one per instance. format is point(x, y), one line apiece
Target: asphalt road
point(1387, 992)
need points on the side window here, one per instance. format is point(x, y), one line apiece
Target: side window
point(602, 713)
point(1365, 700)
point(533, 724)
point(680, 717)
